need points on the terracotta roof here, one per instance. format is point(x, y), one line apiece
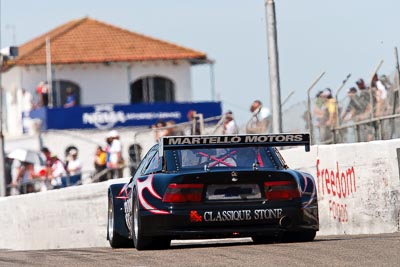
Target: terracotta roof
point(90, 41)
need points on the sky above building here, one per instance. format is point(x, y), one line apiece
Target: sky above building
point(338, 37)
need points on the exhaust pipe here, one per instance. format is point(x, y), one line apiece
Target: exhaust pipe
point(285, 222)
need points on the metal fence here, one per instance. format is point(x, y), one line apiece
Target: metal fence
point(384, 126)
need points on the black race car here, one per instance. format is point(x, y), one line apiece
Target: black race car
point(214, 187)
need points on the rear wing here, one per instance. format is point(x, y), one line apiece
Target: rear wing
point(204, 141)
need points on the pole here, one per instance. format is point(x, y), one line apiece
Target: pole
point(398, 77)
point(309, 118)
point(212, 79)
point(48, 71)
point(273, 67)
point(287, 98)
point(2, 157)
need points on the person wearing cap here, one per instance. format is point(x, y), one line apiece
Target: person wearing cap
point(114, 155)
point(230, 126)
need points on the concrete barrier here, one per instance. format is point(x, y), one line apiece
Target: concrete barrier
point(358, 186)
point(66, 218)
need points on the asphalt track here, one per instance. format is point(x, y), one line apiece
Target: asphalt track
point(363, 250)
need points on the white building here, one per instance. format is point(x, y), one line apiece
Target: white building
point(102, 64)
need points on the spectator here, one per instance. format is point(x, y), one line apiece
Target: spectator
point(48, 162)
point(160, 129)
point(58, 172)
point(260, 118)
point(43, 94)
point(391, 96)
point(100, 163)
point(115, 161)
point(318, 110)
point(194, 119)
point(171, 128)
point(71, 98)
point(354, 107)
point(24, 176)
point(364, 99)
point(330, 117)
point(74, 168)
point(230, 126)
point(380, 93)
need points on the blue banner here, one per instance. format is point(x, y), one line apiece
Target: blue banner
point(107, 116)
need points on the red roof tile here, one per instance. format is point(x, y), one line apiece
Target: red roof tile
point(90, 41)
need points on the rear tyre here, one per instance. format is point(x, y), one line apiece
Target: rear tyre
point(307, 236)
point(162, 243)
point(303, 236)
point(115, 239)
point(263, 239)
point(140, 242)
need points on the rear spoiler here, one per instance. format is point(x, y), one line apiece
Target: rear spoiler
point(204, 141)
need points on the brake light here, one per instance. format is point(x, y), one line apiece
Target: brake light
point(281, 190)
point(178, 193)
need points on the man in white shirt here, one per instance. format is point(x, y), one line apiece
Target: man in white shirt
point(58, 172)
point(260, 119)
point(230, 126)
point(74, 168)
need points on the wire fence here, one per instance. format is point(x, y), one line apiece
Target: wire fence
point(380, 121)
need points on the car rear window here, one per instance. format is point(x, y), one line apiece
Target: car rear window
point(211, 158)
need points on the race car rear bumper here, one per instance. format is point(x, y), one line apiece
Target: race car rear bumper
point(216, 223)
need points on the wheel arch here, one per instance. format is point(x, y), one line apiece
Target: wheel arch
point(119, 210)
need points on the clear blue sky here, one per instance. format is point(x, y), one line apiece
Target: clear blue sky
point(339, 37)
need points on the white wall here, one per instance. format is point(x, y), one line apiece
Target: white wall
point(102, 83)
point(371, 205)
point(99, 83)
point(178, 72)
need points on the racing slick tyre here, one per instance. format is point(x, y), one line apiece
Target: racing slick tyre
point(303, 236)
point(115, 239)
point(263, 239)
point(143, 242)
point(306, 236)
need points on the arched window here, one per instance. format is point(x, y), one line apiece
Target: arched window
point(60, 88)
point(152, 89)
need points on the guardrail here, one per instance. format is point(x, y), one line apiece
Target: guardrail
point(376, 127)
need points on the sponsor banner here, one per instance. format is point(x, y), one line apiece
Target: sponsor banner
point(107, 116)
point(270, 139)
point(235, 215)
